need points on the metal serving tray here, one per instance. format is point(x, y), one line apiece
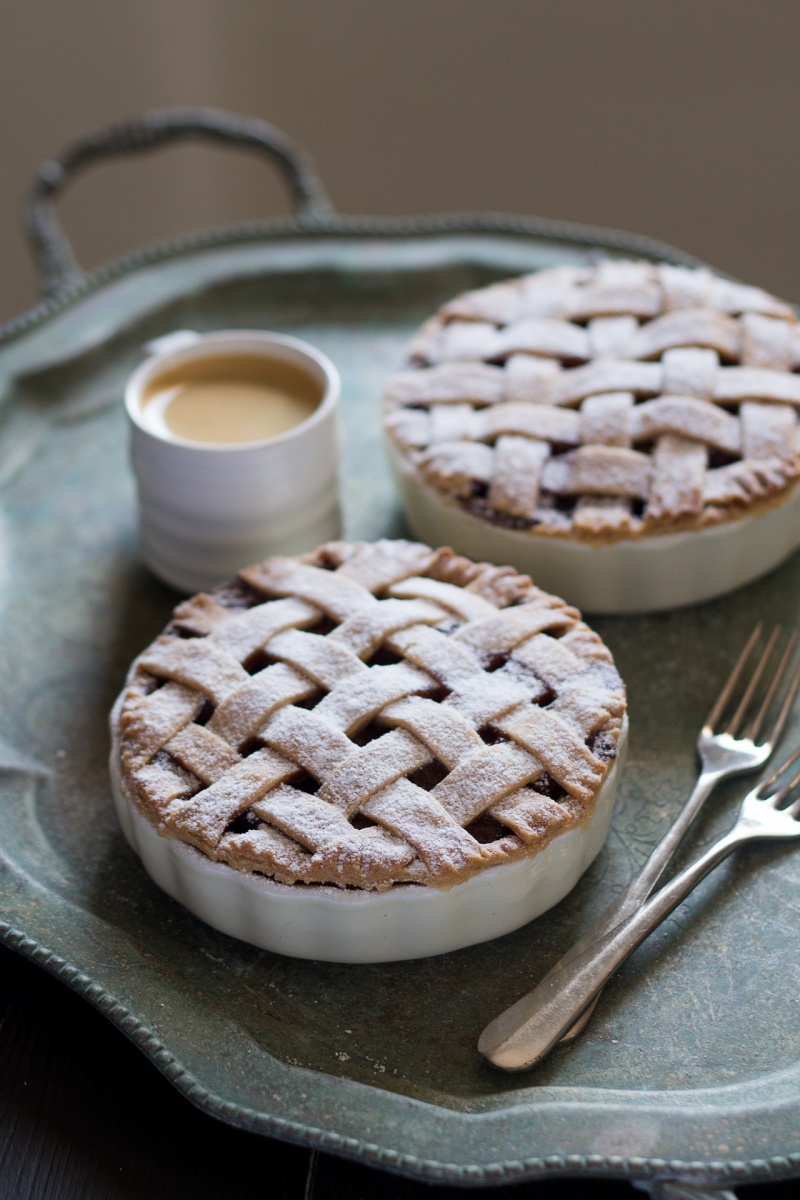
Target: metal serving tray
point(691, 1067)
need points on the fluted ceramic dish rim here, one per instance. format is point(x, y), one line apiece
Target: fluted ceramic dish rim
point(653, 573)
point(331, 924)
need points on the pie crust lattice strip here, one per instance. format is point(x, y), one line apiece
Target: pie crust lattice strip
point(368, 715)
point(604, 402)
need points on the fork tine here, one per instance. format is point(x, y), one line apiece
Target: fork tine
point(755, 678)
point(777, 798)
point(788, 700)
point(775, 776)
point(733, 679)
point(792, 691)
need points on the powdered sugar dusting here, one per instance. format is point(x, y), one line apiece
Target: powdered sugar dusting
point(613, 359)
point(325, 766)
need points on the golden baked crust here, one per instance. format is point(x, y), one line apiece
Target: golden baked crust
point(367, 715)
point(604, 402)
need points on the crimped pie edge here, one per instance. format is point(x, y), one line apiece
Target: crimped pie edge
point(491, 580)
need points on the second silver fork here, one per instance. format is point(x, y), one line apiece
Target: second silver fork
point(744, 743)
point(541, 1017)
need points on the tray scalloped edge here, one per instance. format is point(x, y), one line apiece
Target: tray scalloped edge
point(432, 1170)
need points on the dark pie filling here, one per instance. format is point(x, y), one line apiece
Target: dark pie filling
point(238, 596)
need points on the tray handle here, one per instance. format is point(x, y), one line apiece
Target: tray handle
point(57, 266)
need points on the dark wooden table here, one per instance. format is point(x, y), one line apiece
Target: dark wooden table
point(84, 1116)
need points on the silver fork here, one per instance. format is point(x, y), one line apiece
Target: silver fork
point(733, 750)
point(743, 744)
point(539, 1020)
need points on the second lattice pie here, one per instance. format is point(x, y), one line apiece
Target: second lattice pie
point(626, 431)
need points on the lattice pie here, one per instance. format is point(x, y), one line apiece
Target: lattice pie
point(598, 405)
point(369, 715)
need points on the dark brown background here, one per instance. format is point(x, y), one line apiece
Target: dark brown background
point(677, 119)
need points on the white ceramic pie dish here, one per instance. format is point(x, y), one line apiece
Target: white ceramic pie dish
point(626, 433)
point(649, 574)
point(351, 926)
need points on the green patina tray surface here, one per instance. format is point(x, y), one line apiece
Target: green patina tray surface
point(691, 1066)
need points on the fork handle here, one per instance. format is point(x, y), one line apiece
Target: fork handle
point(526, 1031)
point(643, 883)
